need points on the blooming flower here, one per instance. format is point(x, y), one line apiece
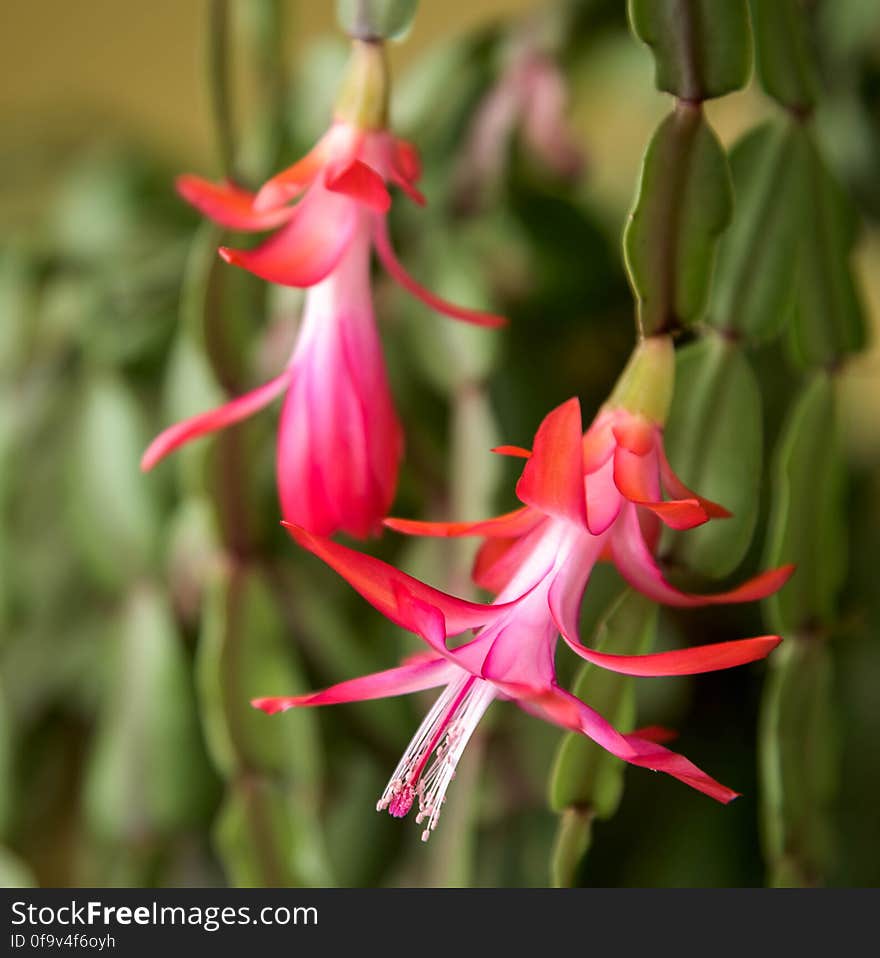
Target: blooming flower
point(339, 438)
point(585, 498)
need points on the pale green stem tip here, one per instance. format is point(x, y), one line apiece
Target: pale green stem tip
point(645, 386)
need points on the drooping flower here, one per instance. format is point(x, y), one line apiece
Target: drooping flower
point(538, 560)
point(529, 98)
point(339, 438)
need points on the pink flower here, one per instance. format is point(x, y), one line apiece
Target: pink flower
point(586, 498)
point(339, 439)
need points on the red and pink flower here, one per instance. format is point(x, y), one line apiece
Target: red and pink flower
point(339, 440)
point(586, 497)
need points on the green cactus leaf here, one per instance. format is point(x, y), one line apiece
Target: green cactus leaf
point(267, 837)
point(798, 762)
point(829, 320)
point(111, 508)
point(755, 280)
point(683, 205)
point(702, 48)
point(785, 64)
point(147, 774)
point(714, 442)
point(245, 653)
point(806, 523)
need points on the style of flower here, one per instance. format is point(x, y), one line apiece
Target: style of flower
point(586, 497)
point(339, 439)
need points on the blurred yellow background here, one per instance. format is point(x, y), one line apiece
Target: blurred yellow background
point(138, 67)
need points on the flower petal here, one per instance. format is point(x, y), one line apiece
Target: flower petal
point(229, 205)
point(380, 583)
point(675, 487)
point(494, 564)
point(693, 661)
point(637, 566)
point(304, 251)
point(637, 478)
point(509, 525)
point(553, 478)
point(361, 183)
point(568, 711)
point(291, 182)
point(240, 408)
point(426, 673)
point(518, 452)
point(399, 274)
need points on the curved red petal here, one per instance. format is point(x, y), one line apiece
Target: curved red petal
point(568, 711)
point(635, 433)
point(509, 525)
point(399, 274)
point(304, 251)
point(291, 182)
point(517, 452)
point(676, 488)
point(240, 408)
point(361, 183)
point(380, 584)
point(229, 205)
point(693, 661)
point(405, 160)
point(638, 567)
point(553, 478)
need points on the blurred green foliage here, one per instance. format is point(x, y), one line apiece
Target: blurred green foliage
point(139, 613)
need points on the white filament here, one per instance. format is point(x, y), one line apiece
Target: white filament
point(444, 733)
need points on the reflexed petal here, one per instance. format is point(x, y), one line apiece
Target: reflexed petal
point(553, 478)
point(692, 661)
point(246, 405)
point(599, 443)
point(380, 583)
point(304, 251)
point(518, 452)
point(361, 183)
point(292, 181)
point(510, 525)
point(635, 433)
point(604, 499)
point(568, 711)
point(676, 488)
point(406, 162)
point(637, 566)
point(406, 169)
point(229, 205)
point(398, 273)
point(636, 476)
point(426, 673)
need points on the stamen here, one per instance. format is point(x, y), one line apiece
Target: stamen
point(429, 762)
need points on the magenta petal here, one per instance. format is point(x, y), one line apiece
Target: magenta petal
point(411, 677)
point(304, 251)
point(395, 269)
point(568, 711)
point(381, 584)
point(553, 477)
point(637, 566)
point(232, 412)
